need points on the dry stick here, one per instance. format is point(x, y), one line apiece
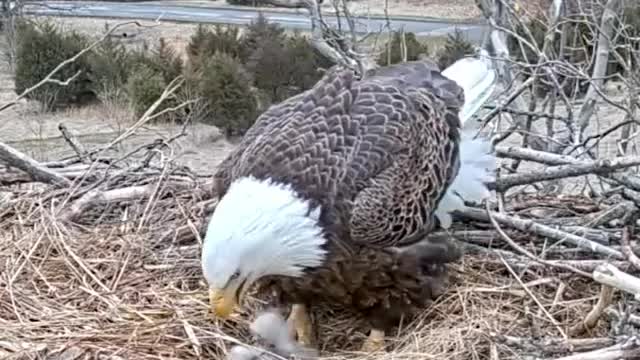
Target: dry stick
point(147, 116)
point(553, 159)
point(11, 178)
point(558, 296)
point(533, 114)
point(600, 67)
point(530, 226)
point(591, 320)
point(585, 224)
point(608, 274)
point(73, 142)
point(630, 318)
point(514, 152)
point(554, 345)
point(598, 138)
point(128, 193)
point(615, 352)
point(15, 158)
point(534, 298)
point(152, 195)
point(626, 248)
point(524, 251)
point(59, 238)
point(522, 262)
point(494, 352)
point(95, 197)
point(544, 55)
point(628, 180)
point(498, 35)
point(564, 171)
point(498, 109)
point(486, 237)
point(584, 265)
point(613, 212)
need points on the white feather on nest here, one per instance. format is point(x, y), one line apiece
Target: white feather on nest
point(271, 328)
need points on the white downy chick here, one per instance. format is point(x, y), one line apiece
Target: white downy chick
point(271, 327)
point(240, 352)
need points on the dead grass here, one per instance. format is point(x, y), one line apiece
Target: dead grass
point(112, 286)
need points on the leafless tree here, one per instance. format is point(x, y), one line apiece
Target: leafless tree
point(560, 66)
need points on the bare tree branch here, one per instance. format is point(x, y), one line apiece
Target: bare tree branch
point(319, 30)
point(602, 59)
point(13, 157)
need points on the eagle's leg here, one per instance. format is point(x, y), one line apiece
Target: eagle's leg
point(300, 324)
point(375, 341)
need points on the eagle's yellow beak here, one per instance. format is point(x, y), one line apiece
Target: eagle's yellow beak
point(222, 302)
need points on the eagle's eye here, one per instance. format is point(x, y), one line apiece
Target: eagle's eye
point(235, 275)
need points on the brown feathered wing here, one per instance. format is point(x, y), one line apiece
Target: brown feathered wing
point(376, 154)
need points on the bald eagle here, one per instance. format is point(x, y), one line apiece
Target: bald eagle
point(328, 196)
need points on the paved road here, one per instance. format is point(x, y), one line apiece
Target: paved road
point(298, 20)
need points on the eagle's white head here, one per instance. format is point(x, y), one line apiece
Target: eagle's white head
point(259, 228)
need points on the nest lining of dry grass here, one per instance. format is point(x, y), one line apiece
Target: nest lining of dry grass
point(105, 264)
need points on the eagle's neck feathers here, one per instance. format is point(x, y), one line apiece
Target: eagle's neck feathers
point(264, 228)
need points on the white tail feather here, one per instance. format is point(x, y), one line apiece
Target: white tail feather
point(477, 166)
point(477, 76)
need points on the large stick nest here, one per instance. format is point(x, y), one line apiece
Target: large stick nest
point(104, 262)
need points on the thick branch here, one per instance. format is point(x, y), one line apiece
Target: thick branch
point(14, 158)
point(72, 141)
point(612, 276)
point(543, 230)
point(554, 345)
point(564, 171)
point(552, 159)
point(543, 157)
point(627, 250)
point(600, 68)
point(97, 197)
point(591, 320)
point(616, 352)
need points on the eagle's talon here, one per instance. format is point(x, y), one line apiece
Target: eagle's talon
point(291, 325)
point(306, 340)
point(300, 324)
point(375, 342)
